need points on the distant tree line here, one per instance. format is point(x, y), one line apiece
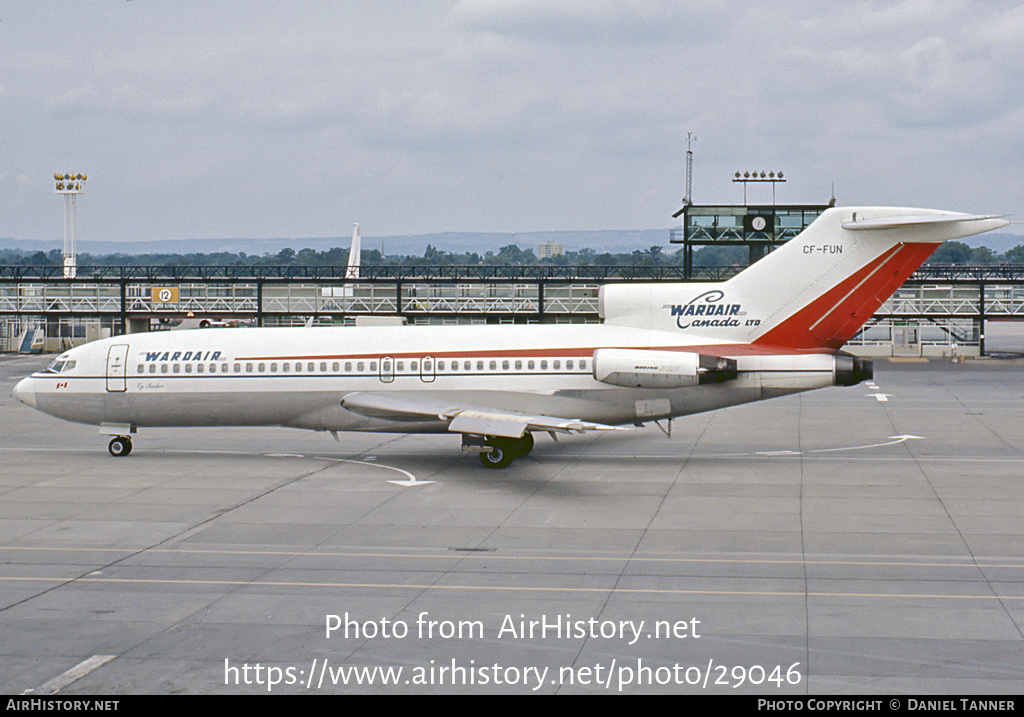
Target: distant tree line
point(951, 252)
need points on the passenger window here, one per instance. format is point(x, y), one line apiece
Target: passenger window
point(504, 365)
point(348, 367)
point(479, 365)
point(400, 366)
point(529, 365)
point(336, 367)
point(199, 368)
point(286, 367)
point(177, 368)
point(466, 365)
point(568, 365)
point(142, 369)
point(298, 367)
point(273, 367)
point(373, 365)
point(323, 367)
point(413, 366)
point(262, 367)
point(493, 365)
point(519, 365)
point(556, 364)
point(311, 367)
point(152, 368)
point(224, 368)
point(248, 368)
point(163, 368)
point(543, 365)
point(440, 365)
point(583, 365)
point(359, 367)
point(238, 368)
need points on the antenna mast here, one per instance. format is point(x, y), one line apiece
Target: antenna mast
point(688, 199)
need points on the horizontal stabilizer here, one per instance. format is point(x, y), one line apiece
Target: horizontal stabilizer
point(908, 220)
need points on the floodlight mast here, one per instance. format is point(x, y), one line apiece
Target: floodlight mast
point(690, 139)
point(746, 177)
point(70, 185)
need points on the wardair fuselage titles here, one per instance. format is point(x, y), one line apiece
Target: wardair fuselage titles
point(709, 310)
point(180, 356)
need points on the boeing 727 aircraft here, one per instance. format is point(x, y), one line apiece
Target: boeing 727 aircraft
point(663, 350)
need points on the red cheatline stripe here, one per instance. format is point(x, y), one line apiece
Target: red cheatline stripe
point(575, 351)
point(833, 318)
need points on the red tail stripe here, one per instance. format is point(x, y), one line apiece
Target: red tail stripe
point(834, 317)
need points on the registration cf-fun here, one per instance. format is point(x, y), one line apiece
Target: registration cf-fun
point(663, 350)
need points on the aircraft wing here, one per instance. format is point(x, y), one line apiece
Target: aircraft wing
point(479, 420)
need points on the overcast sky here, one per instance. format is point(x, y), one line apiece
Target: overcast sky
point(296, 119)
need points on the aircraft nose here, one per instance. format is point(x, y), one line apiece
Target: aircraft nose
point(25, 392)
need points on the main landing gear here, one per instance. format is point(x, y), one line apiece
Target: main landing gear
point(504, 450)
point(120, 446)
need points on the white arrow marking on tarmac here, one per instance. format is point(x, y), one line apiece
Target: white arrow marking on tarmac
point(895, 440)
point(406, 483)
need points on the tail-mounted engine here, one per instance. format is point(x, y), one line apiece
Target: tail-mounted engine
point(636, 368)
point(851, 370)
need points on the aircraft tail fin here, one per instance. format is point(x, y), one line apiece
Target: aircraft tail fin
point(844, 267)
point(352, 270)
point(812, 293)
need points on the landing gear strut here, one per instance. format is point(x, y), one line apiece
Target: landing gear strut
point(120, 446)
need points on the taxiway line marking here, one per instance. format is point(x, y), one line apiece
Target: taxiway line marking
point(77, 672)
point(512, 588)
point(498, 556)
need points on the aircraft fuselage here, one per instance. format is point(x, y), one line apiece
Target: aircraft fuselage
point(297, 376)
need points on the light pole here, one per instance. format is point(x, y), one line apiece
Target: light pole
point(70, 185)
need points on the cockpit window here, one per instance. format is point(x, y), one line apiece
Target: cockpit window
point(60, 365)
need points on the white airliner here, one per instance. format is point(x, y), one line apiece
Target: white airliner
point(663, 350)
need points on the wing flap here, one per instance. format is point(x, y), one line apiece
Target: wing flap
point(487, 424)
point(393, 408)
point(481, 420)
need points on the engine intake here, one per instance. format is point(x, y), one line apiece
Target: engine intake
point(637, 368)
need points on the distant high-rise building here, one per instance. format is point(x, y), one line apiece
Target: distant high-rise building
point(549, 250)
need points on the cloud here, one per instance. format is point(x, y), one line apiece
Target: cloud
point(509, 115)
point(572, 22)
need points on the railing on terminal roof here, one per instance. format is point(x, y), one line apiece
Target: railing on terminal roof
point(496, 273)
